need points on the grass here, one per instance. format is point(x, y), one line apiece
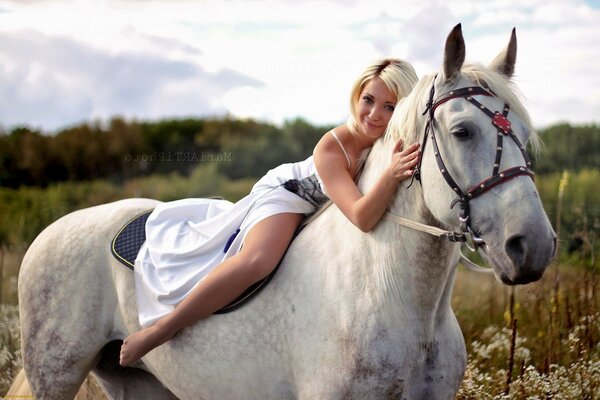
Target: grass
point(539, 341)
point(10, 352)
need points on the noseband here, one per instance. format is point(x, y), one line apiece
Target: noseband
point(503, 127)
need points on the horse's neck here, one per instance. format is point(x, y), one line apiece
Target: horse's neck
point(411, 271)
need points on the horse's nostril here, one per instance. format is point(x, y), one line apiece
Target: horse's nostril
point(515, 248)
point(555, 244)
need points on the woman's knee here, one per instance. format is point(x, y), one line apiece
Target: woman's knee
point(260, 265)
point(266, 244)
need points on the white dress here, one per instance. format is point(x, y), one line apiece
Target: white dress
point(186, 239)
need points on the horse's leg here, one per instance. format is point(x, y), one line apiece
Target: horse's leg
point(127, 383)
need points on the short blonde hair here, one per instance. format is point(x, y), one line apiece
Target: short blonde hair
point(398, 75)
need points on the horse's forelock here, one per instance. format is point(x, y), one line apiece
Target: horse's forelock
point(507, 91)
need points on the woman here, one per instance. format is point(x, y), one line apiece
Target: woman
point(182, 272)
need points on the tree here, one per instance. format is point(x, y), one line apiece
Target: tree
point(569, 147)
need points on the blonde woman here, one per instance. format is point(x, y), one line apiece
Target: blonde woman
point(193, 262)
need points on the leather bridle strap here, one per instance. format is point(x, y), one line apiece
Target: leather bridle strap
point(432, 230)
point(504, 128)
point(435, 231)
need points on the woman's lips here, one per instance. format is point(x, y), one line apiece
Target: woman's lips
point(370, 125)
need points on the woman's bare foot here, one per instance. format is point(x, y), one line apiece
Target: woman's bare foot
point(135, 346)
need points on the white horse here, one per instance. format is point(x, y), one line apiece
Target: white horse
point(349, 315)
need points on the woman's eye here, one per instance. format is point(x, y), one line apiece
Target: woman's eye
point(367, 99)
point(461, 133)
point(390, 108)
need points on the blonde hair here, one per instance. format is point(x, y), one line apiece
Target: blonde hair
point(399, 76)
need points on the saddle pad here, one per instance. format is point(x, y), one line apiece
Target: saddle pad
point(126, 245)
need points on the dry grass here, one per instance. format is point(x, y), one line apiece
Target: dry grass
point(10, 352)
point(538, 341)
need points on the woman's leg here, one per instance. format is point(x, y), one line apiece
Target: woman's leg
point(263, 248)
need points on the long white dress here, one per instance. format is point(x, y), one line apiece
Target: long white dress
point(186, 239)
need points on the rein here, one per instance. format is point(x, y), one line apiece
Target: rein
point(435, 231)
point(503, 126)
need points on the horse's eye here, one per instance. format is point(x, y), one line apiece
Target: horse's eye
point(461, 133)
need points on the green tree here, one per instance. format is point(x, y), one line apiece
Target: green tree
point(569, 147)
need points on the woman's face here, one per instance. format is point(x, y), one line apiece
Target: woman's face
point(375, 107)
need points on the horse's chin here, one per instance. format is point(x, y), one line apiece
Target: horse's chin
point(506, 272)
point(499, 267)
point(534, 277)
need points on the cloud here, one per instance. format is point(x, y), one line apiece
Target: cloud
point(273, 60)
point(426, 33)
point(558, 56)
point(51, 82)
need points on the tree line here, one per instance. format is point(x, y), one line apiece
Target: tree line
point(568, 147)
point(119, 150)
point(45, 176)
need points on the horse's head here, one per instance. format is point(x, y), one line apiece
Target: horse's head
point(475, 173)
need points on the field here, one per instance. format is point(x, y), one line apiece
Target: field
point(539, 341)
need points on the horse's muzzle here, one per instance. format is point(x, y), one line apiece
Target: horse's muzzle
point(529, 258)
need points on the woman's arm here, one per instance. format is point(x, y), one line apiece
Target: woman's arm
point(363, 210)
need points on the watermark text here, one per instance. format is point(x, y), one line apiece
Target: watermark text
point(179, 156)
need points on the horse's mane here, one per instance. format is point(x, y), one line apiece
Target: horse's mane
point(407, 121)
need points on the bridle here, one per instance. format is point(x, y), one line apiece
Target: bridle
point(503, 125)
point(498, 177)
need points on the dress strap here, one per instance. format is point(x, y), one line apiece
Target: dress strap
point(343, 149)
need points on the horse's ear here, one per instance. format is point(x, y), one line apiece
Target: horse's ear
point(454, 53)
point(504, 62)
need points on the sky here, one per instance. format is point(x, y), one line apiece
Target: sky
point(65, 62)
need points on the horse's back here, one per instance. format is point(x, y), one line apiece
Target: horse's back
point(74, 249)
point(73, 236)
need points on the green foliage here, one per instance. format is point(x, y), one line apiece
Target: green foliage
point(26, 211)
point(204, 181)
point(120, 150)
point(203, 157)
point(251, 149)
point(84, 152)
point(173, 140)
point(264, 147)
point(24, 155)
point(569, 147)
point(579, 216)
point(123, 150)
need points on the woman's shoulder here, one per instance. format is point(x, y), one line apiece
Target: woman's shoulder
point(332, 145)
point(332, 139)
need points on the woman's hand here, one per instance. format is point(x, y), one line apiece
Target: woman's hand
point(404, 161)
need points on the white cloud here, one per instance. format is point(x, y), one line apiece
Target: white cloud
point(67, 61)
point(56, 81)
